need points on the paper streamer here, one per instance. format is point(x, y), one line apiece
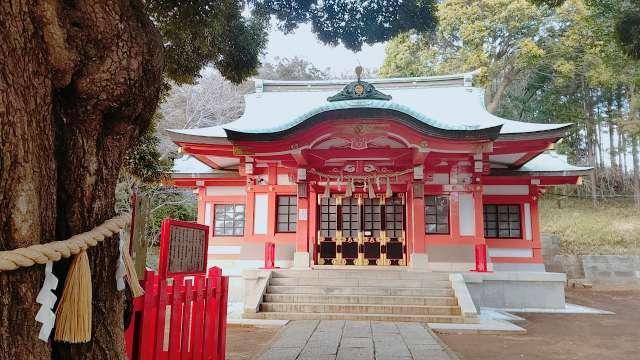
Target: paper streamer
point(47, 299)
point(121, 271)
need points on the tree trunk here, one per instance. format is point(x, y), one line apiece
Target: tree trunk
point(494, 102)
point(79, 82)
point(622, 156)
point(636, 170)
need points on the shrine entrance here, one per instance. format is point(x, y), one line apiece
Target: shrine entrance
point(362, 231)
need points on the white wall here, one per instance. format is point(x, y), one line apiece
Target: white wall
point(467, 214)
point(260, 214)
point(226, 190)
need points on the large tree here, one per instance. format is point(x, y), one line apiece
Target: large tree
point(79, 84)
point(500, 38)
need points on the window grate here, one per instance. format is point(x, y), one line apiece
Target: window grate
point(228, 220)
point(436, 214)
point(502, 221)
point(287, 213)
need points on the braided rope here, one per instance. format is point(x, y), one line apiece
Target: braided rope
point(54, 251)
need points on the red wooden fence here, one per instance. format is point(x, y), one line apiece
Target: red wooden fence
point(186, 319)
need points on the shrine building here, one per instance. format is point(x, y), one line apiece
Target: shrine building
point(406, 172)
point(407, 188)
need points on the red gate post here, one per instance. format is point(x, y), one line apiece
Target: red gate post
point(269, 255)
point(198, 324)
point(186, 320)
point(481, 258)
point(161, 313)
point(222, 314)
point(149, 317)
point(211, 330)
point(175, 325)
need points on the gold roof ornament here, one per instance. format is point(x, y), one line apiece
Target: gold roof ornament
point(359, 90)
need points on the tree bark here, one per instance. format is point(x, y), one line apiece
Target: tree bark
point(636, 170)
point(79, 82)
point(497, 96)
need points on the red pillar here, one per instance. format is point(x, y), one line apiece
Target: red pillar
point(302, 224)
point(481, 242)
point(417, 218)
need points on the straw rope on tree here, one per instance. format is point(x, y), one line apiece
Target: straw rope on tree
point(55, 250)
point(73, 313)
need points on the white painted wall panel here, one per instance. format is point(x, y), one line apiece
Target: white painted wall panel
point(224, 249)
point(508, 252)
point(467, 214)
point(439, 179)
point(283, 179)
point(226, 190)
point(527, 221)
point(208, 217)
point(260, 214)
point(505, 190)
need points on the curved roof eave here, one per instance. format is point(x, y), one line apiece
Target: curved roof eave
point(210, 135)
point(370, 109)
point(489, 133)
point(558, 131)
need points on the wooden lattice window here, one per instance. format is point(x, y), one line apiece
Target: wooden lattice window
point(228, 220)
point(328, 213)
point(372, 219)
point(502, 221)
point(394, 217)
point(350, 217)
point(287, 213)
point(436, 214)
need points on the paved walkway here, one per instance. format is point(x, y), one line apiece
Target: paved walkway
point(354, 340)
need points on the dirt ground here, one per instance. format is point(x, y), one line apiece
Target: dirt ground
point(583, 337)
point(245, 342)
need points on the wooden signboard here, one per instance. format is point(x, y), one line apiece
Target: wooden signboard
point(183, 248)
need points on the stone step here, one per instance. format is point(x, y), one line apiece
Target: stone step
point(360, 274)
point(359, 309)
point(361, 299)
point(363, 290)
point(355, 316)
point(392, 283)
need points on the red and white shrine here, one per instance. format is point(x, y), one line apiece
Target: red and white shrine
point(410, 172)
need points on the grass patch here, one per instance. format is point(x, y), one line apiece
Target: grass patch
point(608, 229)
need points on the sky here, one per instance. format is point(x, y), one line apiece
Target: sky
point(304, 44)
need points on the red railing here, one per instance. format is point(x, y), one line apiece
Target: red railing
point(186, 319)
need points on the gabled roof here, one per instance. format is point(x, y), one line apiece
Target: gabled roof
point(549, 163)
point(190, 167)
point(446, 103)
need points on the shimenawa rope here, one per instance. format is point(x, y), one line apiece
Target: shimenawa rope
point(54, 251)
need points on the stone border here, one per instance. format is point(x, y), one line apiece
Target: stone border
point(255, 286)
point(467, 307)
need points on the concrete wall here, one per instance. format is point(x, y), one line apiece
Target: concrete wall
point(517, 290)
point(600, 270)
point(612, 270)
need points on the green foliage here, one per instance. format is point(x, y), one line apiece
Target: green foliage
point(351, 22)
point(144, 161)
point(200, 32)
point(500, 38)
point(628, 30)
point(168, 203)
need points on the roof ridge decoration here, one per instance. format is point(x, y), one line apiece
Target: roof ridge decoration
point(359, 90)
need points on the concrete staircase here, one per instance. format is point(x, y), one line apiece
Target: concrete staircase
point(359, 294)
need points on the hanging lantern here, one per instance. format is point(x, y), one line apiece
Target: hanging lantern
point(349, 191)
point(378, 183)
point(388, 193)
point(326, 193)
point(372, 194)
point(340, 184)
